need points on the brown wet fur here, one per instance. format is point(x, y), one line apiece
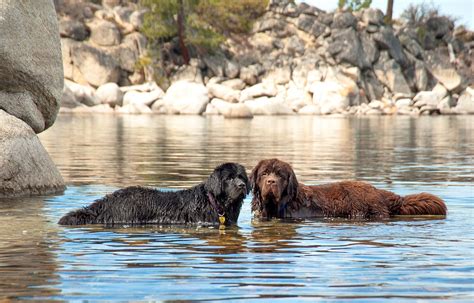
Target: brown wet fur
point(277, 194)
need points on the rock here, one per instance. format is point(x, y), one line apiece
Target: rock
point(31, 74)
point(268, 106)
point(83, 93)
point(411, 45)
point(223, 92)
point(25, 167)
point(401, 103)
point(68, 99)
point(449, 77)
point(430, 98)
point(104, 33)
point(109, 93)
point(372, 16)
point(110, 4)
point(278, 75)
point(147, 98)
point(294, 45)
point(73, 29)
point(297, 97)
point(310, 109)
point(376, 104)
point(344, 20)
point(331, 96)
point(346, 47)
point(184, 97)
point(238, 111)
point(137, 18)
point(465, 103)
point(439, 26)
point(102, 109)
point(372, 86)
point(258, 90)
point(249, 74)
point(386, 40)
point(145, 87)
point(421, 76)
point(189, 72)
point(370, 48)
point(237, 84)
point(96, 66)
point(231, 69)
point(122, 16)
point(128, 53)
point(133, 108)
point(390, 74)
point(310, 25)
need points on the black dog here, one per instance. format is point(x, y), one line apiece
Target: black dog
point(217, 200)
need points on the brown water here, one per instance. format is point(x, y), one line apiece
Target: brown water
point(399, 260)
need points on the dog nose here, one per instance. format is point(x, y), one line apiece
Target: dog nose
point(271, 181)
point(241, 185)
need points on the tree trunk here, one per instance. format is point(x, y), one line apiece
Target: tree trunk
point(389, 13)
point(182, 34)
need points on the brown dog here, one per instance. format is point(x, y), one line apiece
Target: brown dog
point(277, 193)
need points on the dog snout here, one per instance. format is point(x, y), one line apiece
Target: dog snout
point(241, 184)
point(270, 181)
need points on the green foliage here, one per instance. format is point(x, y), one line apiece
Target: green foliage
point(354, 5)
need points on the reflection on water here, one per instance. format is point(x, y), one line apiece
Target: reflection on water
point(292, 260)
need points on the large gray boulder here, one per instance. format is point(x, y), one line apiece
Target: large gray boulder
point(25, 167)
point(31, 74)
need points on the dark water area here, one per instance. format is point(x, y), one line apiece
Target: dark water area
point(311, 260)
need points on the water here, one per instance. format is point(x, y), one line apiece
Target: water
point(398, 260)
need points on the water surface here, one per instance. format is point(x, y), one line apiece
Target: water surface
point(397, 260)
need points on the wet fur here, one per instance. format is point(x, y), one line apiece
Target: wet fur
point(347, 199)
point(141, 205)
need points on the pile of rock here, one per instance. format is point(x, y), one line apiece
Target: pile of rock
point(298, 59)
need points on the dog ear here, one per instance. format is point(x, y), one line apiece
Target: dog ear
point(292, 188)
point(254, 180)
point(214, 183)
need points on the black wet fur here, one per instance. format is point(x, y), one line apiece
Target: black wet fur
point(228, 184)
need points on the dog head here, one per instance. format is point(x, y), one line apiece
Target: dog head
point(228, 182)
point(274, 184)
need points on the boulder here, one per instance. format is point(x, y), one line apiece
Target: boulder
point(405, 102)
point(73, 29)
point(223, 92)
point(249, 74)
point(465, 103)
point(68, 99)
point(133, 108)
point(137, 18)
point(430, 98)
point(31, 74)
point(268, 89)
point(449, 77)
point(439, 26)
point(278, 75)
point(237, 84)
point(390, 74)
point(128, 53)
point(184, 97)
point(104, 33)
point(96, 66)
point(84, 94)
point(145, 87)
point(189, 72)
point(25, 167)
point(268, 106)
point(331, 96)
point(386, 40)
point(310, 25)
point(372, 16)
point(344, 20)
point(310, 109)
point(109, 93)
point(230, 110)
point(146, 98)
point(346, 47)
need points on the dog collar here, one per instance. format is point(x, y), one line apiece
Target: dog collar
point(218, 208)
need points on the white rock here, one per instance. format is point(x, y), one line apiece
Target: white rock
point(465, 103)
point(310, 110)
point(109, 93)
point(331, 96)
point(223, 92)
point(237, 84)
point(376, 104)
point(449, 77)
point(268, 106)
point(145, 87)
point(400, 103)
point(84, 94)
point(267, 89)
point(134, 97)
point(133, 108)
point(184, 97)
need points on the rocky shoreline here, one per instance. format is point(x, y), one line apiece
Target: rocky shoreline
point(297, 60)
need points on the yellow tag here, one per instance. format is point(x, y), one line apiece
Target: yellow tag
point(222, 219)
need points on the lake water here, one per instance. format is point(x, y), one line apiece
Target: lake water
point(397, 260)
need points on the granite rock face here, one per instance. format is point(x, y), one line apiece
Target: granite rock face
point(31, 74)
point(26, 169)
